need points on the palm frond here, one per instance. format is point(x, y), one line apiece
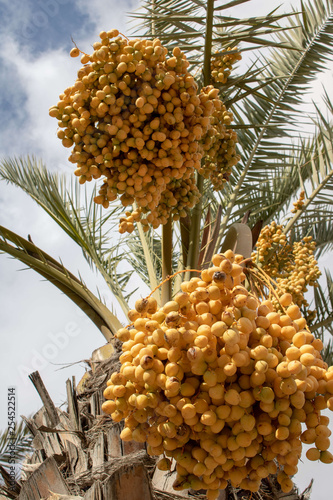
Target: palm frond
point(267, 152)
point(318, 171)
point(308, 167)
point(78, 216)
point(323, 323)
point(322, 233)
point(28, 253)
point(20, 440)
point(194, 24)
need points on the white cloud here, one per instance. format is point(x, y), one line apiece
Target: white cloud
point(14, 14)
point(40, 80)
point(107, 15)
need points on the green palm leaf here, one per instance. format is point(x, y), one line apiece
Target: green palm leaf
point(322, 233)
point(58, 275)
point(194, 24)
point(306, 166)
point(323, 322)
point(80, 218)
point(266, 149)
point(20, 441)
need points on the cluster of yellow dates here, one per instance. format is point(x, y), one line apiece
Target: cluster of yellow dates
point(222, 63)
point(222, 384)
point(293, 266)
point(136, 117)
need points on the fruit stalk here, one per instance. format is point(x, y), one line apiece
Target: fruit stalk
point(166, 260)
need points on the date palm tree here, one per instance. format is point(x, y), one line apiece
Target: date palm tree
point(283, 150)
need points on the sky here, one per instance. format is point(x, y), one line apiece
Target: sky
point(39, 327)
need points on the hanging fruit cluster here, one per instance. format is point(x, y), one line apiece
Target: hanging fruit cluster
point(292, 266)
point(299, 203)
point(270, 238)
point(220, 142)
point(219, 146)
point(136, 117)
point(222, 62)
point(221, 383)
